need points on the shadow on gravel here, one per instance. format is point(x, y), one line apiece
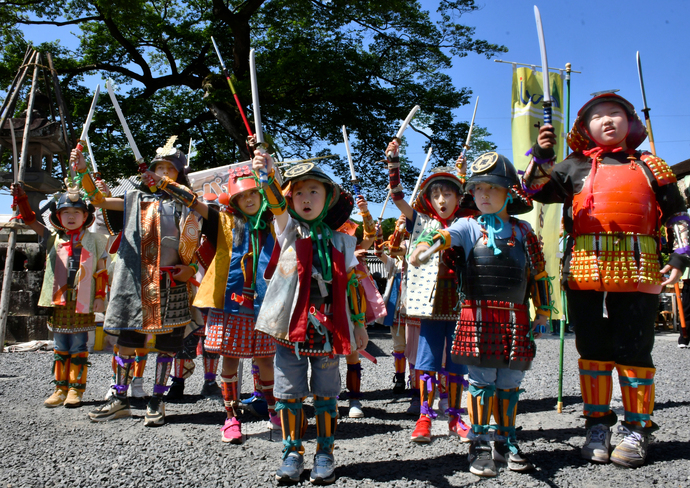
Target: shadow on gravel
point(668, 451)
point(550, 461)
point(431, 470)
point(357, 429)
point(669, 404)
point(561, 435)
point(546, 404)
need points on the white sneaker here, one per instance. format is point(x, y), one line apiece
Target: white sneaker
point(598, 444)
point(136, 388)
point(356, 410)
point(110, 393)
point(442, 407)
point(632, 451)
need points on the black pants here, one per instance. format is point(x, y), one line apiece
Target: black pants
point(625, 337)
point(170, 342)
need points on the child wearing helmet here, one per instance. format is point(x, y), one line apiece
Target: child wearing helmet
point(614, 200)
point(149, 292)
point(501, 266)
point(431, 294)
point(74, 286)
point(316, 311)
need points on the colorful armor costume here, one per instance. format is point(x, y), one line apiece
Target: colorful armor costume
point(614, 202)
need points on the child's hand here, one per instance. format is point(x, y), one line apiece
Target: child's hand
point(546, 138)
point(98, 305)
point(16, 190)
point(393, 150)
point(103, 187)
point(76, 158)
point(540, 320)
point(379, 230)
point(262, 161)
point(414, 258)
point(675, 276)
point(150, 178)
point(361, 338)
point(183, 273)
point(362, 204)
point(461, 164)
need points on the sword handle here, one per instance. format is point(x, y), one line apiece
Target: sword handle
point(547, 113)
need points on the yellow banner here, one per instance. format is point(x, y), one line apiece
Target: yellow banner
point(527, 117)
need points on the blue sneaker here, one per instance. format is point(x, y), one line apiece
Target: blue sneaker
point(256, 405)
point(292, 468)
point(323, 472)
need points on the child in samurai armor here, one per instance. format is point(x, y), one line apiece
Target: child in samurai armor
point(316, 311)
point(431, 293)
point(615, 198)
point(149, 292)
point(501, 265)
point(232, 290)
point(74, 285)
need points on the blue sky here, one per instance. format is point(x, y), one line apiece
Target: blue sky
point(600, 39)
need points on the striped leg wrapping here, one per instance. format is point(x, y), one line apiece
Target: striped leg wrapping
point(123, 373)
point(79, 366)
point(293, 424)
point(61, 367)
point(637, 386)
point(164, 362)
point(596, 386)
point(455, 386)
point(400, 361)
point(505, 411)
point(480, 407)
point(353, 380)
point(142, 355)
point(228, 387)
point(427, 380)
point(326, 421)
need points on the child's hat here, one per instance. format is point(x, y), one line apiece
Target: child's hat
point(496, 169)
point(341, 204)
point(67, 200)
point(172, 155)
point(579, 138)
point(421, 201)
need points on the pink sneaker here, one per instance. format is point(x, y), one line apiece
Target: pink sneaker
point(232, 431)
point(274, 422)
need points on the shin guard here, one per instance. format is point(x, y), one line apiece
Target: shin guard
point(326, 421)
point(231, 396)
point(267, 390)
point(353, 381)
point(256, 376)
point(426, 393)
point(505, 411)
point(61, 368)
point(637, 386)
point(164, 362)
point(184, 368)
point(480, 407)
point(456, 383)
point(400, 362)
point(293, 424)
point(142, 354)
point(123, 374)
point(78, 368)
point(597, 387)
point(210, 365)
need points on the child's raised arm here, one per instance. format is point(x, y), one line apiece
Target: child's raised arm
point(397, 195)
point(27, 214)
point(93, 190)
point(276, 201)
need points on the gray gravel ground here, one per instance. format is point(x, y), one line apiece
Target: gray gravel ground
point(60, 447)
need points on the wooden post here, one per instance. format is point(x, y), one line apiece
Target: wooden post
point(18, 178)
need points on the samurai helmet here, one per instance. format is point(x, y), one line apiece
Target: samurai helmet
point(579, 138)
point(173, 155)
point(66, 200)
point(496, 169)
point(341, 204)
point(422, 203)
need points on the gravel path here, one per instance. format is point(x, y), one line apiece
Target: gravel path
point(60, 447)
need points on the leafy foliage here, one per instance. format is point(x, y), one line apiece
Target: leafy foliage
point(321, 65)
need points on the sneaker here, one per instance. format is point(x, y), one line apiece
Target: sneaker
point(598, 444)
point(682, 346)
point(415, 404)
point(155, 412)
point(111, 391)
point(399, 383)
point(442, 407)
point(56, 399)
point(632, 451)
point(516, 461)
point(256, 405)
point(457, 427)
point(274, 422)
point(210, 388)
point(292, 467)
point(73, 399)
point(136, 388)
point(323, 472)
point(422, 430)
point(356, 411)
point(117, 407)
point(176, 391)
point(481, 460)
point(232, 431)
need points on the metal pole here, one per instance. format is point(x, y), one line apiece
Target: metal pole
point(12, 240)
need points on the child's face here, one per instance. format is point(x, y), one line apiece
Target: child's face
point(444, 201)
point(489, 198)
point(308, 198)
point(166, 168)
point(249, 201)
point(607, 123)
point(72, 218)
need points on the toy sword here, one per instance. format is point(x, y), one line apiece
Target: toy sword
point(469, 132)
point(349, 160)
point(421, 175)
point(544, 68)
point(406, 122)
point(87, 124)
point(259, 135)
point(232, 88)
point(133, 145)
point(383, 209)
point(96, 173)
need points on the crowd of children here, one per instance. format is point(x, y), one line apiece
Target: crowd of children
point(276, 274)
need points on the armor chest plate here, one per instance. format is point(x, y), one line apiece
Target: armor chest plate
point(490, 276)
point(623, 202)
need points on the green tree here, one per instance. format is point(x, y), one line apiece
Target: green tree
point(321, 65)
